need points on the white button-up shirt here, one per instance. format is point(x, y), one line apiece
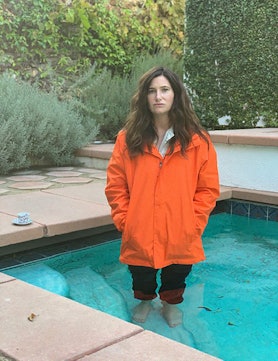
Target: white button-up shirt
point(164, 144)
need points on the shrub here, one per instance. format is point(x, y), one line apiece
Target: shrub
point(37, 127)
point(231, 60)
point(106, 97)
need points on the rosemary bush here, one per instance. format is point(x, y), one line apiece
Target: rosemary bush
point(36, 127)
point(106, 97)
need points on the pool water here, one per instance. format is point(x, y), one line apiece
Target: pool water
point(231, 301)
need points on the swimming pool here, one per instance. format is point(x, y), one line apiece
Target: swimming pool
point(230, 307)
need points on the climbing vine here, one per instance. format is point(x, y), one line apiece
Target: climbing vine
point(231, 61)
point(53, 41)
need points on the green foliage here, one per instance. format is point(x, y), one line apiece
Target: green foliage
point(106, 97)
point(53, 41)
point(25, 35)
point(37, 127)
point(231, 60)
point(151, 25)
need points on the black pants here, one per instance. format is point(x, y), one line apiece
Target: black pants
point(172, 282)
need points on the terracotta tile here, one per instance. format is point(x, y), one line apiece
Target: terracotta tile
point(30, 185)
point(5, 278)
point(225, 193)
point(255, 136)
point(92, 192)
point(60, 214)
point(67, 180)
point(255, 196)
point(63, 174)
point(91, 170)
point(50, 327)
point(99, 176)
point(150, 347)
point(11, 234)
point(219, 138)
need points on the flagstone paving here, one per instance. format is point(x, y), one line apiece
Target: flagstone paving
point(47, 178)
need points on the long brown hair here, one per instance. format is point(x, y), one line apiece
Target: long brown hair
point(139, 125)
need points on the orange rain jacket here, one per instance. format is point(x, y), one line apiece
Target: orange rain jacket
point(161, 205)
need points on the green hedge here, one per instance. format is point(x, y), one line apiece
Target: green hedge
point(231, 60)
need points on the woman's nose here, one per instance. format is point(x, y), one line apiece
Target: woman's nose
point(158, 95)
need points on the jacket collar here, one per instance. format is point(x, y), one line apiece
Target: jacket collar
point(195, 141)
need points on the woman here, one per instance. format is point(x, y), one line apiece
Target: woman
point(162, 184)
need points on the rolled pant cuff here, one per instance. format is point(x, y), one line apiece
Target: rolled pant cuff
point(172, 296)
point(144, 297)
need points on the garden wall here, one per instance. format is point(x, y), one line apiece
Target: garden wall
point(248, 158)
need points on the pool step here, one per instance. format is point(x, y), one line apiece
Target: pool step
point(94, 291)
point(42, 276)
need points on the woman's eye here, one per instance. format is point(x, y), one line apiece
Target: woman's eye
point(163, 90)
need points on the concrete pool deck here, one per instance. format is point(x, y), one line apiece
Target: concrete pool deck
point(36, 325)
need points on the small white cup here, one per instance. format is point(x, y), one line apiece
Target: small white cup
point(23, 217)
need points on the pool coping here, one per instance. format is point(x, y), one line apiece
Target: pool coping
point(256, 136)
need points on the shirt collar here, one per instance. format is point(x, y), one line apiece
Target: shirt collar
point(169, 134)
point(164, 144)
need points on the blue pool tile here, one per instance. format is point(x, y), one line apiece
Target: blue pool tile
point(273, 214)
point(240, 208)
point(258, 211)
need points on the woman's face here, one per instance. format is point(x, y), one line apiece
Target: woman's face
point(160, 96)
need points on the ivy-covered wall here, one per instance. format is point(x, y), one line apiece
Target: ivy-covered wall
point(54, 41)
point(231, 62)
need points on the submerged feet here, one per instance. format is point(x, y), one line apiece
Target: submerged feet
point(172, 314)
point(141, 311)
